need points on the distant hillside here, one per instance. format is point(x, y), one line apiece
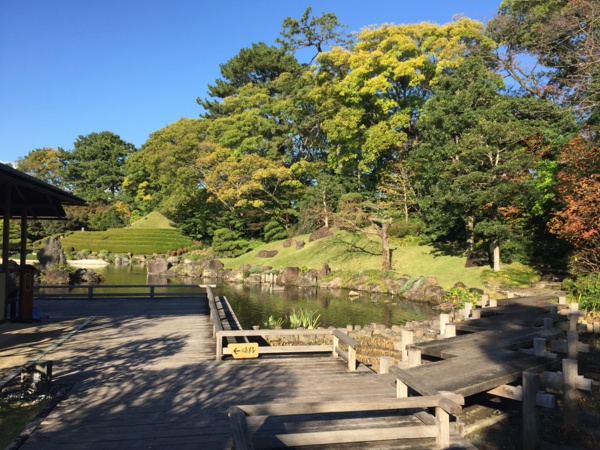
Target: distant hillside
point(154, 220)
point(357, 253)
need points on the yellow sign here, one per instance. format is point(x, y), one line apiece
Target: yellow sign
point(244, 350)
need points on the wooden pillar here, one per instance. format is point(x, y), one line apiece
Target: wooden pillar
point(444, 319)
point(351, 359)
point(493, 303)
point(442, 419)
point(336, 344)
point(485, 298)
point(414, 357)
point(407, 339)
point(539, 346)
point(385, 362)
point(476, 314)
point(5, 242)
point(548, 323)
point(570, 394)
point(450, 330)
point(401, 389)
point(572, 341)
point(531, 426)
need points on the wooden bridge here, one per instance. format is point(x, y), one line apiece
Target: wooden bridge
point(150, 374)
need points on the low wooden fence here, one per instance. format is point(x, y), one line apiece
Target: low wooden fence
point(98, 291)
point(223, 335)
point(437, 427)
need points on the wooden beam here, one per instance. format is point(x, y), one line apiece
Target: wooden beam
point(286, 409)
point(242, 440)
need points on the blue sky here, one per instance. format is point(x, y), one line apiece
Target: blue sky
point(73, 67)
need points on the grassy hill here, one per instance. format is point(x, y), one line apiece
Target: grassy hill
point(124, 240)
point(358, 253)
point(154, 220)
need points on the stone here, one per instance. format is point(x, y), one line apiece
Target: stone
point(325, 270)
point(300, 245)
point(289, 243)
point(460, 284)
point(211, 268)
point(255, 278)
point(57, 276)
point(435, 294)
point(321, 233)
point(87, 276)
point(267, 253)
point(309, 278)
point(353, 294)
point(289, 276)
point(51, 254)
point(155, 266)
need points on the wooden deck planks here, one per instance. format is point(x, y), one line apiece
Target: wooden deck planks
point(150, 381)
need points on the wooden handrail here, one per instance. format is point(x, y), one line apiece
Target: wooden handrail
point(438, 428)
point(88, 290)
point(349, 356)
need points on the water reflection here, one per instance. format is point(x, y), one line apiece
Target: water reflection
point(254, 304)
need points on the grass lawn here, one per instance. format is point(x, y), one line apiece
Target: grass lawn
point(357, 253)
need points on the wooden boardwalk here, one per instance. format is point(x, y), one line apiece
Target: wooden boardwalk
point(488, 355)
point(143, 374)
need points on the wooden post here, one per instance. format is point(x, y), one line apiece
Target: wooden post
point(219, 347)
point(548, 323)
point(493, 303)
point(401, 389)
point(573, 320)
point(562, 300)
point(442, 419)
point(531, 426)
point(450, 330)
point(444, 319)
point(468, 309)
point(476, 314)
point(336, 344)
point(484, 300)
point(570, 394)
point(351, 359)
point(152, 292)
point(385, 362)
point(407, 339)
point(539, 346)
point(510, 295)
point(572, 341)
point(90, 292)
point(414, 357)
point(553, 309)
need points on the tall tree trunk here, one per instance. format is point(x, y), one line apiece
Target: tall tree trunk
point(470, 226)
point(325, 212)
point(386, 253)
point(496, 254)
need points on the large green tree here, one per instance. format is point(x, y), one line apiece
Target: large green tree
point(562, 38)
point(46, 164)
point(481, 157)
point(95, 167)
point(370, 95)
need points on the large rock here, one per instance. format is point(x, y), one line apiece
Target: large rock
point(289, 276)
point(325, 270)
point(309, 278)
point(191, 269)
point(212, 268)
point(158, 266)
point(434, 294)
point(57, 276)
point(321, 233)
point(51, 254)
point(87, 276)
point(288, 243)
point(266, 254)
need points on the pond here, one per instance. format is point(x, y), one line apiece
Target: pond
point(254, 304)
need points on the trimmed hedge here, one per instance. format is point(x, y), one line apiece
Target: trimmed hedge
point(124, 240)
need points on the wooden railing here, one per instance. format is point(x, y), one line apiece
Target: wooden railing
point(93, 291)
point(437, 427)
point(333, 348)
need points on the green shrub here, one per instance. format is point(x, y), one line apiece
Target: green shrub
point(228, 243)
point(85, 251)
point(274, 231)
point(586, 290)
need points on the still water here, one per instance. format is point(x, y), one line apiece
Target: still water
point(254, 304)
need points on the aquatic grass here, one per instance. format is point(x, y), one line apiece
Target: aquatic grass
point(304, 318)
